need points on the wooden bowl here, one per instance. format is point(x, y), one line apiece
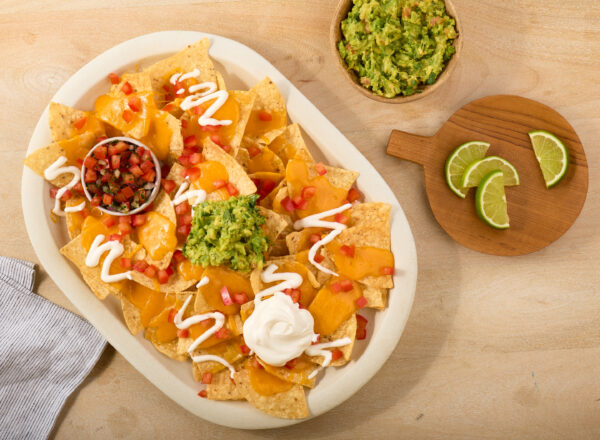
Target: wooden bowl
point(335, 35)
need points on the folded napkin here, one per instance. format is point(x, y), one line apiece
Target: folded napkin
point(45, 353)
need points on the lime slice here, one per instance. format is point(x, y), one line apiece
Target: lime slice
point(477, 170)
point(459, 160)
point(490, 200)
point(552, 155)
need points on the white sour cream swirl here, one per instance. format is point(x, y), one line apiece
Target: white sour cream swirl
point(278, 330)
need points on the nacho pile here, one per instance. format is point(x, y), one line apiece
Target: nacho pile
point(253, 262)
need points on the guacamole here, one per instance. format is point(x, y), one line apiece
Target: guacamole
point(395, 47)
point(227, 232)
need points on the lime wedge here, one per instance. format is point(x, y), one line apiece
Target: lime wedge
point(552, 155)
point(459, 160)
point(477, 170)
point(490, 200)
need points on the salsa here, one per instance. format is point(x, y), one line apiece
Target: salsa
point(119, 176)
point(396, 47)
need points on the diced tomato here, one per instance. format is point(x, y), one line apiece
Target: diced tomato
point(354, 195)
point(299, 202)
point(219, 184)
point(126, 263)
point(361, 327)
point(193, 173)
point(288, 205)
point(222, 333)
point(147, 165)
point(114, 78)
point(318, 339)
point(361, 302)
point(127, 115)
point(184, 123)
point(210, 128)
point(335, 287)
point(341, 218)
point(314, 238)
point(226, 148)
point(138, 220)
point(125, 228)
point(172, 314)
point(53, 191)
point(125, 219)
point(79, 162)
point(225, 296)
point(136, 171)
point(168, 107)
point(347, 250)
point(188, 151)
point(198, 110)
point(149, 176)
point(96, 201)
point(100, 152)
point(184, 160)
point(320, 168)
point(291, 364)
point(115, 161)
point(308, 192)
point(387, 270)
point(90, 176)
point(150, 271)
point(267, 186)
point(346, 285)
point(78, 188)
point(231, 189)
point(163, 276)
point(66, 195)
point(253, 151)
point(184, 230)
point(319, 258)
point(244, 349)
point(203, 393)
point(183, 208)
point(178, 256)
point(186, 219)
point(79, 123)
point(265, 116)
point(195, 158)
point(126, 88)
point(336, 354)
point(183, 333)
point(207, 378)
point(107, 199)
point(216, 139)
point(115, 237)
point(108, 220)
point(168, 185)
point(134, 159)
point(170, 270)
point(240, 298)
point(190, 141)
point(85, 212)
point(294, 294)
point(135, 103)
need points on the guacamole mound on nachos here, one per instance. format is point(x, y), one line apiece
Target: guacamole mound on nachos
point(396, 47)
point(252, 263)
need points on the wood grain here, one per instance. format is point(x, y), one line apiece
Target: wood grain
point(538, 215)
point(495, 347)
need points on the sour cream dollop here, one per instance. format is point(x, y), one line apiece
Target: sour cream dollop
point(278, 330)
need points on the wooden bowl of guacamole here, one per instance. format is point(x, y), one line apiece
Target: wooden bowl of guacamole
point(396, 51)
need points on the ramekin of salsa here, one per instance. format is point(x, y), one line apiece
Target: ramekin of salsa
point(120, 176)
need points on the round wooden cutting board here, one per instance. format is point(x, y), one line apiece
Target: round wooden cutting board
point(538, 216)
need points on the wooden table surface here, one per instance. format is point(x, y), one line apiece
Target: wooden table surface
point(495, 347)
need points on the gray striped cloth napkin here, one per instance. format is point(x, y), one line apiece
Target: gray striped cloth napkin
point(45, 353)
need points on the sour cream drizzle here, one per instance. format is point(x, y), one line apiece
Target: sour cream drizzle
point(182, 324)
point(316, 221)
point(115, 250)
point(203, 282)
point(181, 195)
point(75, 208)
point(197, 99)
point(319, 349)
point(290, 280)
point(57, 169)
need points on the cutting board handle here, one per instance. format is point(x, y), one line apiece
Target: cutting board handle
point(410, 146)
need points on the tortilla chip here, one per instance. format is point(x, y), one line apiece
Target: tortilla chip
point(347, 329)
point(176, 144)
point(74, 220)
point(246, 101)
point(194, 56)
point(237, 175)
point(295, 242)
point(42, 158)
point(169, 349)
point(176, 282)
point(61, 119)
point(140, 82)
point(162, 205)
point(268, 200)
point(376, 297)
point(223, 388)
point(269, 99)
point(374, 215)
point(228, 350)
point(258, 163)
point(290, 404)
point(293, 375)
point(76, 253)
point(176, 174)
point(132, 316)
point(275, 224)
point(290, 144)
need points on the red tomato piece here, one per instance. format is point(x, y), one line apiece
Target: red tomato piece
point(346, 285)
point(308, 192)
point(231, 189)
point(135, 103)
point(335, 287)
point(138, 220)
point(127, 115)
point(183, 208)
point(341, 218)
point(354, 195)
point(115, 161)
point(178, 256)
point(115, 237)
point(126, 88)
point(240, 298)
point(319, 258)
point(168, 185)
point(361, 327)
point(253, 151)
point(265, 116)
point(336, 354)
point(222, 333)
point(114, 78)
point(190, 141)
point(207, 378)
point(126, 263)
point(107, 199)
point(100, 152)
point(216, 139)
point(108, 220)
point(150, 271)
point(387, 270)
point(203, 394)
point(95, 200)
point(79, 123)
point(225, 296)
point(195, 158)
point(361, 302)
point(320, 168)
point(90, 176)
point(288, 205)
point(125, 228)
point(163, 276)
point(183, 333)
point(348, 250)
point(219, 184)
point(244, 349)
